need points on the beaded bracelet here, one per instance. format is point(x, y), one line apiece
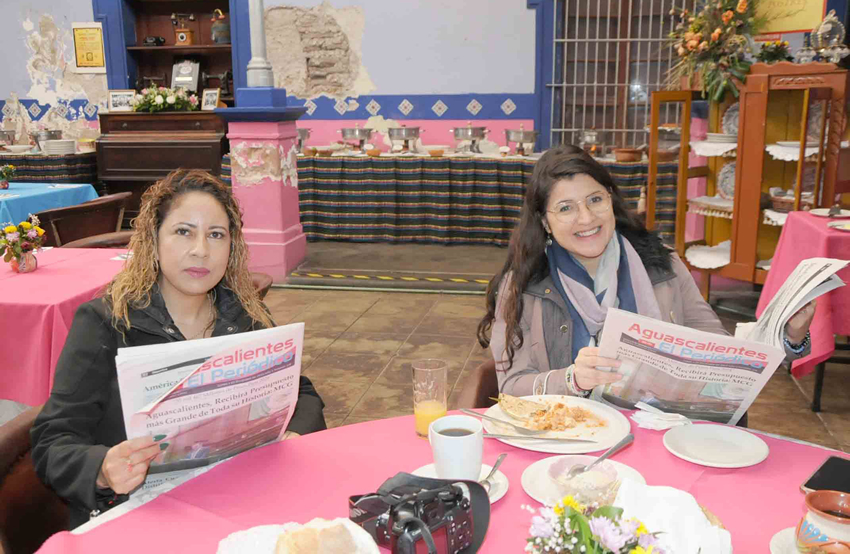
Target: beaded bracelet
point(572, 386)
point(799, 348)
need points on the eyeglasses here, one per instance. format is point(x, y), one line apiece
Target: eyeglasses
point(597, 203)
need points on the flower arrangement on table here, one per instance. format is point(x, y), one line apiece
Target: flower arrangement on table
point(158, 99)
point(774, 51)
point(713, 43)
point(7, 173)
point(571, 527)
point(16, 241)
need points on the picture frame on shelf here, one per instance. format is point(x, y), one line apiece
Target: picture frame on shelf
point(120, 100)
point(210, 99)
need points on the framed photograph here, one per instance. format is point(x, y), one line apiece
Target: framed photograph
point(185, 74)
point(119, 100)
point(209, 101)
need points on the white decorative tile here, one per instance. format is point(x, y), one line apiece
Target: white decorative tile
point(353, 105)
point(61, 110)
point(341, 107)
point(439, 108)
point(508, 106)
point(405, 107)
point(311, 107)
point(90, 109)
point(373, 107)
point(34, 110)
point(474, 107)
point(8, 110)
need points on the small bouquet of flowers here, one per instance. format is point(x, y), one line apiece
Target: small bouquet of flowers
point(158, 99)
point(570, 527)
point(774, 51)
point(16, 241)
point(7, 173)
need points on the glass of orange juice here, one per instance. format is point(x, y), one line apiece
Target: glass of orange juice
point(430, 384)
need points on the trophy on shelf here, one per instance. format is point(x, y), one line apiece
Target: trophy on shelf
point(828, 39)
point(183, 36)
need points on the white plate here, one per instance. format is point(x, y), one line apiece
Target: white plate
point(795, 144)
point(824, 212)
point(263, 538)
point(498, 489)
point(538, 485)
point(715, 446)
point(784, 542)
point(844, 226)
point(726, 181)
point(730, 119)
point(721, 137)
point(618, 427)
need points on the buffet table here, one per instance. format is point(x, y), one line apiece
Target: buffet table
point(37, 168)
point(307, 477)
point(39, 307)
point(445, 200)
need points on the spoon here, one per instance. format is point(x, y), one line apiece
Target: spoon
point(486, 481)
point(520, 430)
point(578, 469)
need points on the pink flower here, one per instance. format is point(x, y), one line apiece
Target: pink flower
point(32, 234)
point(144, 91)
point(13, 237)
point(193, 100)
point(26, 246)
point(609, 534)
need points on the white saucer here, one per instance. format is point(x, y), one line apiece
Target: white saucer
point(784, 542)
point(824, 212)
point(716, 446)
point(539, 486)
point(795, 144)
point(499, 481)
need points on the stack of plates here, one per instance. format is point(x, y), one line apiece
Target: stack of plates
point(59, 147)
point(721, 137)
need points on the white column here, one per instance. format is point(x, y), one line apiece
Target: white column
point(259, 69)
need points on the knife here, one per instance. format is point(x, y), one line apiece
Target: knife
point(532, 438)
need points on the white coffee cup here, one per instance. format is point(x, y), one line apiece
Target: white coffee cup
point(457, 455)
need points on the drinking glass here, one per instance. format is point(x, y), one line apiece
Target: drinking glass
point(430, 381)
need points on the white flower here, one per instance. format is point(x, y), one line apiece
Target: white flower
point(158, 99)
point(170, 99)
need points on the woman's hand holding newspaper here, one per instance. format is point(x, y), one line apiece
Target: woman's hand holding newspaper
point(126, 464)
point(586, 374)
point(798, 325)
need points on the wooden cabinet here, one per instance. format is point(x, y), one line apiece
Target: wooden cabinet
point(136, 149)
point(778, 104)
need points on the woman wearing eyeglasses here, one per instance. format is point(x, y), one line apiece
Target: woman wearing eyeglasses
point(576, 252)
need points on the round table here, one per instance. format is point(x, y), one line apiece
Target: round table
point(313, 476)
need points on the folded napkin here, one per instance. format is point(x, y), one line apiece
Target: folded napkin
point(650, 417)
point(674, 514)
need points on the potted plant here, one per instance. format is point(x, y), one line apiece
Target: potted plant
point(7, 172)
point(18, 244)
point(774, 51)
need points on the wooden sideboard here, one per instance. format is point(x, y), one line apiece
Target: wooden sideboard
point(135, 149)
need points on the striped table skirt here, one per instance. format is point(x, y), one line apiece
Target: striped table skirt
point(35, 168)
point(437, 200)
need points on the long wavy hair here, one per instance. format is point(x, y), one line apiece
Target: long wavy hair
point(527, 262)
point(131, 288)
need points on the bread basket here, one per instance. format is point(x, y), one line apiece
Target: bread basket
point(628, 154)
point(667, 156)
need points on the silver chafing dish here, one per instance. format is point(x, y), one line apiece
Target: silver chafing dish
point(405, 134)
point(303, 135)
point(473, 134)
point(44, 135)
point(357, 134)
point(521, 137)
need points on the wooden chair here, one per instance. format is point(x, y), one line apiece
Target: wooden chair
point(480, 387)
point(29, 511)
point(262, 282)
point(101, 215)
point(118, 239)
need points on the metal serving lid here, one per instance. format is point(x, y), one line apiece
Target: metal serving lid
point(403, 133)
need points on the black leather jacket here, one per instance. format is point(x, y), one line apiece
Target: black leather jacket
point(82, 418)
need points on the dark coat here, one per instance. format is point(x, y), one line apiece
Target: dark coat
point(82, 418)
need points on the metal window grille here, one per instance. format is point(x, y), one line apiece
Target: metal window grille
point(609, 55)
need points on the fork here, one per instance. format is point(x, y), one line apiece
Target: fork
point(520, 430)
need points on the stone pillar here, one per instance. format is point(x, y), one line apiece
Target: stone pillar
point(259, 69)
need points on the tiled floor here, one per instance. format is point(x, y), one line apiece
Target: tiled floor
point(358, 347)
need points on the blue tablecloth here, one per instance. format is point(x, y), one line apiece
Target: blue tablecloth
point(22, 199)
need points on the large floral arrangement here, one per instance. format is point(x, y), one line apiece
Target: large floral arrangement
point(17, 240)
point(158, 99)
point(569, 526)
point(713, 44)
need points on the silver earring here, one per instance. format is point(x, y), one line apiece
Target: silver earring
point(548, 240)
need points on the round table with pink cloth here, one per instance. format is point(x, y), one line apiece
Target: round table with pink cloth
point(313, 476)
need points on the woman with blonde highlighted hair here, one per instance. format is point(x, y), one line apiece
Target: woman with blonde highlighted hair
point(187, 279)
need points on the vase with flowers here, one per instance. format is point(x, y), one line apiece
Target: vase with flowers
point(774, 51)
point(18, 244)
point(159, 99)
point(571, 527)
point(7, 173)
point(713, 43)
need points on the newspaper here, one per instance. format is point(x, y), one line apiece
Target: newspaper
point(677, 369)
point(705, 375)
point(810, 279)
point(210, 399)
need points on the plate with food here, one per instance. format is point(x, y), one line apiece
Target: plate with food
point(547, 480)
point(318, 535)
point(560, 417)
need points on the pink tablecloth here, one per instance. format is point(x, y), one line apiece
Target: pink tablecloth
point(312, 476)
point(807, 236)
point(37, 310)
